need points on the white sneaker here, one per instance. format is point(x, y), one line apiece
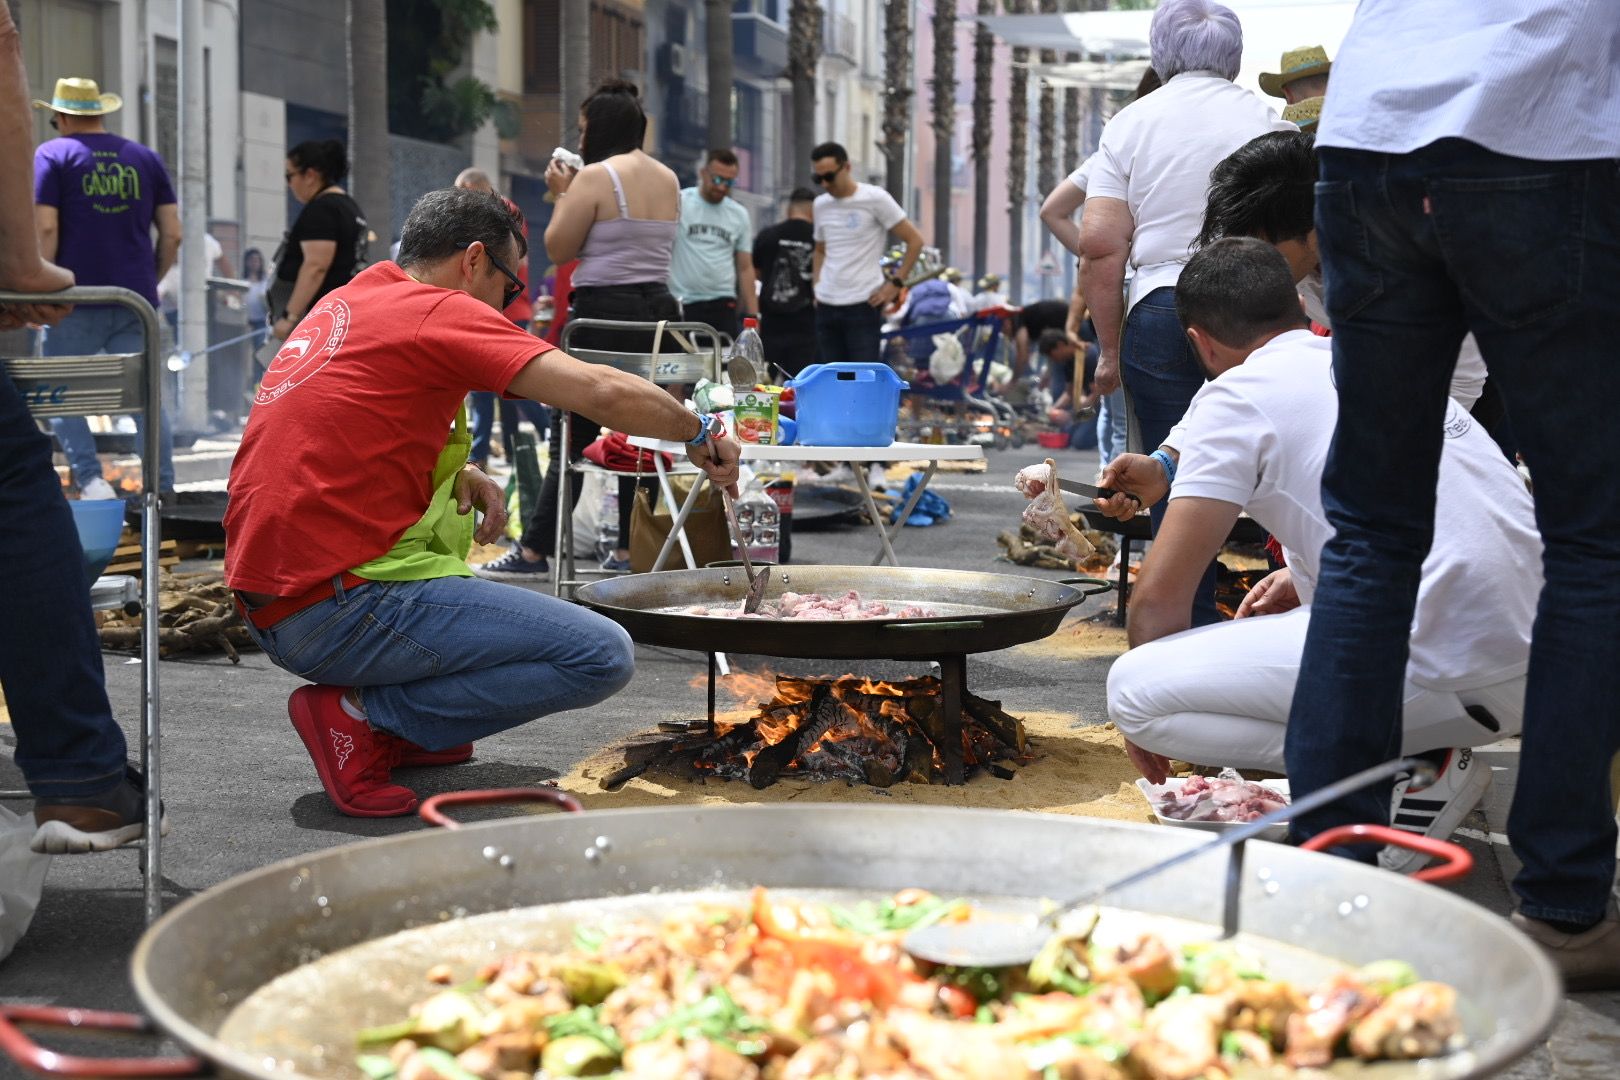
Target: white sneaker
point(97, 489)
point(876, 478)
point(1438, 809)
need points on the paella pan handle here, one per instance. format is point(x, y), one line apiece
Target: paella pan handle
point(432, 810)
point(35, 1058)
point(1455, 863)
point(1093, 586)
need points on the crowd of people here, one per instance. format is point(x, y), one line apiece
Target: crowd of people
point(1349, 321)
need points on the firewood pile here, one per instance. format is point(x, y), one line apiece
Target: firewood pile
point(1027, 547)
point(196, 617)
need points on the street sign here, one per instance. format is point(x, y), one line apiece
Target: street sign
point(1047, 265)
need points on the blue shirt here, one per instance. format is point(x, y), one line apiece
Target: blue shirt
point(707, 239)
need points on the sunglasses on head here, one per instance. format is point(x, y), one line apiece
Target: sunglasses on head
point(826, 178)
point(512, 291)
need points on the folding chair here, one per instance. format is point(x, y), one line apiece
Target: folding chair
point(696, 355)
point(92, 386)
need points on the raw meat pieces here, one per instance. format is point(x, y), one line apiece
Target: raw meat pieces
point(1046, 513)
point(1227, 797)
point(813, 607)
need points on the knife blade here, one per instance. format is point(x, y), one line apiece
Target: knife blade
point(1075, 487)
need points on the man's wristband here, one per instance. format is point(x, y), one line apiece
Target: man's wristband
point(708, 425)
point(1167, 462)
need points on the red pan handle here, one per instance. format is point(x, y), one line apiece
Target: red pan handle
point(1455, 861)
point(432, 810)
point(35, 1058)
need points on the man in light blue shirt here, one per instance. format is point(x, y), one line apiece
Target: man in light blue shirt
point(712, 270)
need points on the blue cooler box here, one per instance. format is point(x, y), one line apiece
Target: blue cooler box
point(847, 404)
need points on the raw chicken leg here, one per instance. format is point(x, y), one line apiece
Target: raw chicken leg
point(1046, 513)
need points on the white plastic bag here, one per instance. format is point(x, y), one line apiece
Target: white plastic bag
point(22, 878)
point(588, 517)
point(948, 359)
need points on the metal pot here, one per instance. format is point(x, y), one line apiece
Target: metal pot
point(978, 612)
point(287, 923)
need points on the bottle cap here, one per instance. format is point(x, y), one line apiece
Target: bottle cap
point(750, 322)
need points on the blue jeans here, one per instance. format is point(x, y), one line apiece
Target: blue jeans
point(1110, 426)
point(1419, 249)
point(1161, 374)
point(87, 332)
point(849, 333)
point(451, 660)
point(482, 405)
point(50, 656)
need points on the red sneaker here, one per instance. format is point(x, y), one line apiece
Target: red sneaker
point(352, 760)
point(412, 756)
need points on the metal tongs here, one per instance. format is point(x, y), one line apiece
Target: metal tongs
point(756, 584)
point(996, 944)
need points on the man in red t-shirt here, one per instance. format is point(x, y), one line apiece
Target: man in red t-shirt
point(350, 497)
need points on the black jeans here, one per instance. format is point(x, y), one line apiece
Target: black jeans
point(720, 314)
point(849, 333)
point(790, 340)
point(1419, 249)
point(642, 302)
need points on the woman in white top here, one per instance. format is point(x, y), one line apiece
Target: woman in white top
point(1144, 205)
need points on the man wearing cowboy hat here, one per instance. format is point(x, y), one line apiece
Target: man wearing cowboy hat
point(1304, 75)
point(96, 198)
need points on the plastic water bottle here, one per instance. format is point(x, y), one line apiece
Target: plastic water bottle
point(750, 348)
point(759, 521)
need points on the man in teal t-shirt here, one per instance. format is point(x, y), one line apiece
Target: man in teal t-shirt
point(712, 271)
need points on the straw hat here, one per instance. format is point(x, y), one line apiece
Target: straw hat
point(1304, 113)
point(1296, 64)
point(990, 281)
point(80, 97)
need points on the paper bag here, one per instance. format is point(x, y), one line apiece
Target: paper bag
point(22, 878)
point(706, 530)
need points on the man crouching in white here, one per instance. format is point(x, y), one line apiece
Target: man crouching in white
point(1255, 439)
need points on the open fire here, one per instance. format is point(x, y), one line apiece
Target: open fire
point(851, 728)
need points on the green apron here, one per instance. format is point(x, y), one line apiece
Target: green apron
point(437, 545)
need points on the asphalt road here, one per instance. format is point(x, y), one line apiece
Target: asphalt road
point(241, 792)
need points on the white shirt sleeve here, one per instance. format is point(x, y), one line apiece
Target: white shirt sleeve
point(1107, 176)
point(1224, 438)
point(889, 213)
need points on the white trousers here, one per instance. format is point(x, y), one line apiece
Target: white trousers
point(1220, 695)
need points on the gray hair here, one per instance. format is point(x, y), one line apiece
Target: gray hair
point(444, 222)
point(1195, 35)
point(474, 179)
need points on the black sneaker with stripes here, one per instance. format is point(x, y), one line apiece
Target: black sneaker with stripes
point(1438, 809)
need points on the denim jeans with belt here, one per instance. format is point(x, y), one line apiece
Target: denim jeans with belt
point(1418, 250)
point(87, 332)
point(451, 660)
point(1161, 374)
point(50, 656)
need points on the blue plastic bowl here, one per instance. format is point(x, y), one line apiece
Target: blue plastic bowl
point(100, 523)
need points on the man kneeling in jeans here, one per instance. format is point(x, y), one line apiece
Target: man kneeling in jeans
point(1255, 438)
point(350, 511)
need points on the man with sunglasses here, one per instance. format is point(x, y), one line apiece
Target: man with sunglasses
point(711, 271)
point(852, 226)
point(351, 503)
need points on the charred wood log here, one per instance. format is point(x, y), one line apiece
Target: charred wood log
point(771, 760)
point(1000, 723)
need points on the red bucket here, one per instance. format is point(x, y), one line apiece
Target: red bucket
point(1052, 440)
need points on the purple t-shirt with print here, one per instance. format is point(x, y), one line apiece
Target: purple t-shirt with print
point(105, 189)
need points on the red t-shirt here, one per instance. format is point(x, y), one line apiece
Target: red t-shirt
point(337, 459)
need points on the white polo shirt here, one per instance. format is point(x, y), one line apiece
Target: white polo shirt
point(1156, 155)
point(1258, 437)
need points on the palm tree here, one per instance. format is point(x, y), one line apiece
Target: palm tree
point(897, 94)
point(1046, 139)
point(574, 39)
point(717, 15)
point(984, 51)
point(368, 114)
point(804, 54)
point(1017, 160)
point(944, 120)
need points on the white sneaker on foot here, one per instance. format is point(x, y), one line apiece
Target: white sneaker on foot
point(97, 489)
point(1438, 809)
